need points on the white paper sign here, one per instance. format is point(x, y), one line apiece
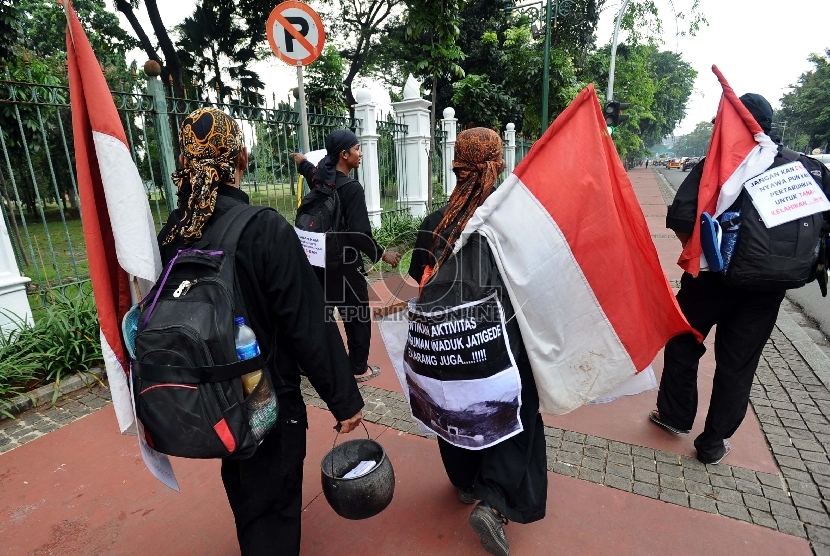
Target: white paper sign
point(157, 463)
point(786, 193)
point(315, 156)
point(314, 245)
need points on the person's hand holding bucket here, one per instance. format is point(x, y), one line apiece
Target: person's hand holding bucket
point(349, 424)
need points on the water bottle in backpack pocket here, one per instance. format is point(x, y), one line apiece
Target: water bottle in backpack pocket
point(259, 395)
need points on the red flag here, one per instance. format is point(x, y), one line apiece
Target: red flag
point(739, 150)
point(574, 249)
point(118, 225)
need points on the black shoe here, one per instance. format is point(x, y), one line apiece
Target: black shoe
point(466, 495)
point(655, 418)
point(727, 447)
point(490, 529)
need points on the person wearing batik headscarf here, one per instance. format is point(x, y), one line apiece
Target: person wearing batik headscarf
point(510, 478)
point(345, 286)
point(285, 308)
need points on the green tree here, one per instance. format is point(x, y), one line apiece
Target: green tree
point(171, 67)
point(435, 24)
point(215, 49)
point(41, 32)
point(695, 143)
point(357, 27)
point(37, 54)
point(9, 28)
point(325, 80)
point(806, 108)
point(675, 79)
point(656, 84)
point(484, 103)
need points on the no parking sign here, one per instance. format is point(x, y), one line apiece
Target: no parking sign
point(295, 33)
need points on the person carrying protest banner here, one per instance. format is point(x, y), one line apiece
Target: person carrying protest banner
point(285, 309)
point(490, 436)
point(343, 280)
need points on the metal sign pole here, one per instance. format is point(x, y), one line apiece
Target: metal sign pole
point(303, 113)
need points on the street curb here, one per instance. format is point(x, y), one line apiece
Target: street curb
point(44, 394)
point(663, 178)
point(806, 347)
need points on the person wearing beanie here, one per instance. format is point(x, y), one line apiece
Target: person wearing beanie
point(744, 312)
point(345, 286)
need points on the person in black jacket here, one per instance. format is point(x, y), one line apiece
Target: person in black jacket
point(509, 478)
point(286, 311)
point(345, 286)
point(744, 317)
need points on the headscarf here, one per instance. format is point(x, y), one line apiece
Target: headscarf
point(477, 165)
point(478, 158)
point(760, 109)
point(210, 142)
point(336, 142)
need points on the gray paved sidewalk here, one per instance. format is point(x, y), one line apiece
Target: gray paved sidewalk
point(41, 420)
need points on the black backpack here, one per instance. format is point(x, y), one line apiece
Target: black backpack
point(778, 258)
point(321, 212)
point(186, 376)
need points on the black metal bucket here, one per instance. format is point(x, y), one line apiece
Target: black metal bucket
point(361, 497)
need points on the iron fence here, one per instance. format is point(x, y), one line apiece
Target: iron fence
point(522, 148)
point(271, 135)
point(392, 165)
point(39, 198)
point(38, 188)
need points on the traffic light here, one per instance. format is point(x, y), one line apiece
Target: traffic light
point(613, 113)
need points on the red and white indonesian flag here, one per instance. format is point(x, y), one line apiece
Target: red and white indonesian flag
point(576, 255)
point(739, 151)
point(118, 225)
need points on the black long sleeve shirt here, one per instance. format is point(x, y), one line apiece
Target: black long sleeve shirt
point(358, 229)
point(286, 310)
point(422, 255)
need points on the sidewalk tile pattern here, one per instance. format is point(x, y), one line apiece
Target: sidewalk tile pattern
point(36, 422)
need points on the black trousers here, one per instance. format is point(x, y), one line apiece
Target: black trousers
point(265, 491)
point(744, 320)
point(512, 475)
point(346, 289)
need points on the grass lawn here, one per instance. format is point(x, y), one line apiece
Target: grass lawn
point(72, 264)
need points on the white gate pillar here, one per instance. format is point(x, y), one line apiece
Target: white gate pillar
point(413, 111)
point(369, 171)
point(14, 305)
point(509, 148)
point(450, 126)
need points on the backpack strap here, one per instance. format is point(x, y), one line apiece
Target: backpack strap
point(788, 154)
point(343, 179)
point(228, 229)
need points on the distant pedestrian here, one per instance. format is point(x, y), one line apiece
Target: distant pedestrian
point(345, 286)
point(743, 303)
point(509, 478)
point(646, 163)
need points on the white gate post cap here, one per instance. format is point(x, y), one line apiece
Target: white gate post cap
point(363, 96)
point(449, 113)
point(412, 89)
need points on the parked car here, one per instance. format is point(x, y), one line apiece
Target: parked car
point(690, 162)
point(674, 163)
